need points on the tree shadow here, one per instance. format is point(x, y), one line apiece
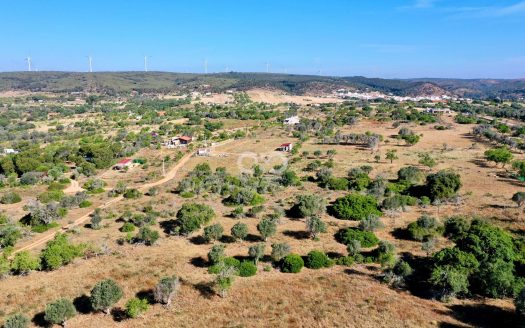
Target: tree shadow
point(39, 320)
point(253, 238)
point(227, 239)
point(199, 262)
point(205, 289)
point(119, 314)
point(168, 226)
point(417, 284)
point(82, 304)
point(400, 233)
point(198, 240)
point(146, 294)
point(300, 235)
point(483, 316)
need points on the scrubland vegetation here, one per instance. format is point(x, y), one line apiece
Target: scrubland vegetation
point(376, 201)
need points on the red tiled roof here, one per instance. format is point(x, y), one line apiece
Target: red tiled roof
point(286, 144)
point(185, 138)
point(125, 161)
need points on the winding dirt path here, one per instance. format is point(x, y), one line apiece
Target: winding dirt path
point(169, 176)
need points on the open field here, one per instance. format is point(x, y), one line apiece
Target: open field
point(338, 296)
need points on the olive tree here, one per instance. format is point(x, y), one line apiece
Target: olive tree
point(256, 251)
point(104, 294)
point(239, 231)
point(60, 311)
point(315, 226)
point(166, 290)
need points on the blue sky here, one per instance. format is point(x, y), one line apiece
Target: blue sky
point(387, 38)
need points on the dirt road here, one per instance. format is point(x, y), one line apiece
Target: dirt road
point(44, 238)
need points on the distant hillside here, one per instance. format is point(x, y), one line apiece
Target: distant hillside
point(123, 82)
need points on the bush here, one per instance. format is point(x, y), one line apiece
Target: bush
point(398, 202)
point(424, 228)
point(127, 227)
point(132, 194)
point(443, 185)
point(104, 294)
point(50, 196)
point(9, 235)
point(17, 320)
point(216, 254)
point(213, 232)
point(366, 238)
point(239, 231)
point(315, 226)
point(85, 204)
point(59, 252)
point(166, 290)
point(24, 262)
point(280, 250)
point(411, 174)
point(146, 236)
point(292, 263)
point(10, 198)
point(267, 228)
point(308, 205)
point(355, 207)
point(318, 260)
point(345, 260)
point(370, 223)
point(247, 269)
point(456, 227)
point(192, 216)
point(60, 311)
point(256, 251)
point(136, 306)
point(334, 183)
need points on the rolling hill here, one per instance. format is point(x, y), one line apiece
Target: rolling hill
point(122, 82)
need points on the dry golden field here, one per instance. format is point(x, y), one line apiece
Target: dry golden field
point(334, 297)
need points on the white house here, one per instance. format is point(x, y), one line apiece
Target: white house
point(9, 151)
point(286, 147)
point(293, 120)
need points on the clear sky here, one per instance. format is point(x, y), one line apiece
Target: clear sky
point(374, 38)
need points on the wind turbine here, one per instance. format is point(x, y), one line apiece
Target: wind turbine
point(267, 67)
point(145, 63)
point(205, 66)
point(90, 60)
point(28, 59)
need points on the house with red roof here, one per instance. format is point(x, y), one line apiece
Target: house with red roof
point(286, 147)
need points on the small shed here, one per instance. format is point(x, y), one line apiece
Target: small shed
point(184, 140)
point(285, 147)
point(123, 164)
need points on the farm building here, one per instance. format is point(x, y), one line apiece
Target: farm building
point(438, 111)
point(127, 162)
point(285, 147)
point(184, 140)
point(292, 120)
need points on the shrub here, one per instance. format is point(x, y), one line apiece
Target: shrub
point(132, 194)
point(50, 196)
point(353, 247)
point(317, 260)
point(424, 228)
point(518, 198)
point(315, 226)
point(411, 174)
point(239, 231)
point(256, 251)
point(292, 263)
point(104, 294)
point(267, 228)
point(166, 290)
point(146, 236)
point(355, 207)
point(247, 269)
point(499, 155)
point(224, 279)
point(17, 320)
point(385, 254)
point(128, 227)
point(94, 186)
point(216, 254)
point(136, 306)
point(192, 216)
point(10, 198)
point(59, 252)
point(308, 205)
point(398, 202)
point(9, 235)
point(366, 238)
point(213, 232)
point(456, 227)
point(24, 262)
point(280, 250)
point(334, 183)
point(60, 311)
point(289, 178)
point(85, 204)
point(253, 212)
point(345, 260)
point(443, 185)
point(370, 223)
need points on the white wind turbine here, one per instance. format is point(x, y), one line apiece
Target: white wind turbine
point(28, 60)
point(90, 61)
